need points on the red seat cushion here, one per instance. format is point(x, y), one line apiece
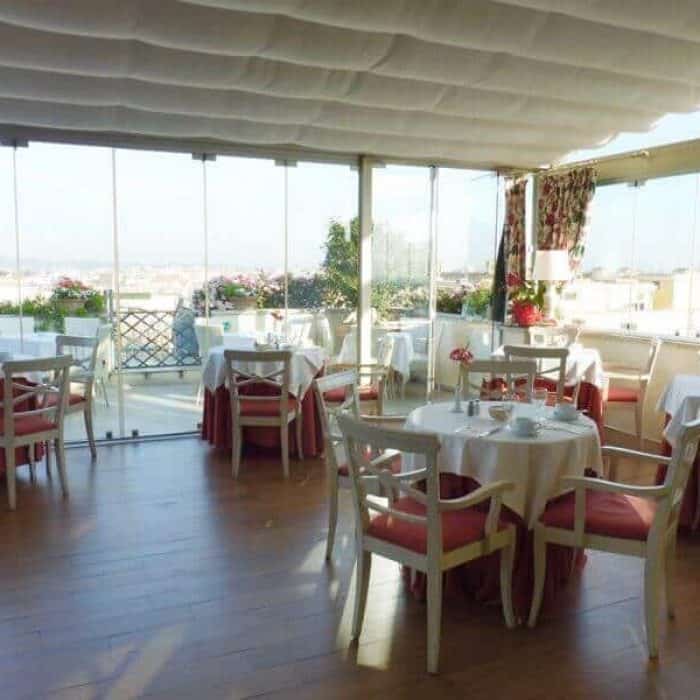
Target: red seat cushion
point(73, 399)
point(459, 527)
point(266, 408)
point(394, 466)
point(367, 393)
point(30, 424)
point(607, 514)
point(620, 394)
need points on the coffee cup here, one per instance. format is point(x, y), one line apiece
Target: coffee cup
point(524, 426)
point(565, 411)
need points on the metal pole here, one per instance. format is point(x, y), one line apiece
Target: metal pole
point(495, 254)
point(691, 277)
point(286, 249)
point(118, 298)
point(432, 272)
point(205, 223)
point(364, 300)
point(20, 298)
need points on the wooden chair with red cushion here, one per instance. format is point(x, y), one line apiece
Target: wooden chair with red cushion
point(345, 385)
point(639, 521)
point(28, 418)
point(419, 529)
point(551, 368)
point(374, 379)
point(627, 386)
point(252, 407)
point(500, 377)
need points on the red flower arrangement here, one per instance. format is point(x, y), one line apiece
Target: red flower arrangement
point(463, 355)
point(527, 299)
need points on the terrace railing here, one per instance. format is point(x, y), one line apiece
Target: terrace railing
point(152, 340)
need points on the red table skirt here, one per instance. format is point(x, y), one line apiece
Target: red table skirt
point(690, 508)
point(480, 578)
point(216, 426)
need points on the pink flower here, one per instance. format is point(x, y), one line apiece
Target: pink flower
point(462, 355)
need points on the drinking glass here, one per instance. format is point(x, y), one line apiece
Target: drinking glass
point(539, 398)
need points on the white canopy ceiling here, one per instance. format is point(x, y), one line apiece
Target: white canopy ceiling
point(483, 82)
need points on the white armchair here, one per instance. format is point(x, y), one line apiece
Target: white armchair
point(639, 521)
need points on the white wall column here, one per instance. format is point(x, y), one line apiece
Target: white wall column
point(364, 302)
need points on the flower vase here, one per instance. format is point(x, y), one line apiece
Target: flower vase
point(457, 405)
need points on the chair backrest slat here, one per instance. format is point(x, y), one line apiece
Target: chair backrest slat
point(511, 371)
point(539, 355)
point(358, 436)
point(50, 376)
point(275, 377)
point(347, 382)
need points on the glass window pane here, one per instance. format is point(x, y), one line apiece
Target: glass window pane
point(161, 255)
point(400, 280)
point(323, 253)
point(467, 242)
point(65, 214)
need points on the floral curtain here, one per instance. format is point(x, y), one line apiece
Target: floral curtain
point(562, 208)
point(514, 229)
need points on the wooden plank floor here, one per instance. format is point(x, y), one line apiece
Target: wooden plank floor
point(161, 577)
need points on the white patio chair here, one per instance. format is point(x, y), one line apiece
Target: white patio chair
point(262, 411)
point(545, 370)
point(337, 472)
point(28, 417)
point(84, 354)
point(627, 386)
point(639, 521)
point(510, 371)
point(421, 530)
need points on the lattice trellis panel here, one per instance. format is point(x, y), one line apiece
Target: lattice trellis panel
point(150, 340)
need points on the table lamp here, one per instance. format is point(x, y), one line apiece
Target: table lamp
point(551, 266)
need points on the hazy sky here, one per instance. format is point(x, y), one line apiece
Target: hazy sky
point(65, 204)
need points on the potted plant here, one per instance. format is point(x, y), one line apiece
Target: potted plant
point(71, 296)
point(526, 300)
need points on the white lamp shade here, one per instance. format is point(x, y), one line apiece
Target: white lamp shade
point(551, 266)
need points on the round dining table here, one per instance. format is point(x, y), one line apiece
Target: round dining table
point(477, 450)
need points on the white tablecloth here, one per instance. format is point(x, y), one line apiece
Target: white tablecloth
point(680, 400)
point(582, 365)
point(401, 355)
point(535, 465)
point(35, 344)
point(306, 364)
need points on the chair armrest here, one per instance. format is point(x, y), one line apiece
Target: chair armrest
point(492, 491)
point(413, 475)
point(479, 496)
point(628, 375)
point(587, 482)
point(609, 451)
point(384, 458)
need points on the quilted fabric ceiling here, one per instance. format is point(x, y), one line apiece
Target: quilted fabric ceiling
point(485, 83)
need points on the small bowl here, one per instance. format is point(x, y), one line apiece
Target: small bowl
point(500, 412)
point(565, 412)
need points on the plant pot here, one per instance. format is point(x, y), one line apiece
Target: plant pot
point(526, 313)
point(242, 303)
point(70, 306)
